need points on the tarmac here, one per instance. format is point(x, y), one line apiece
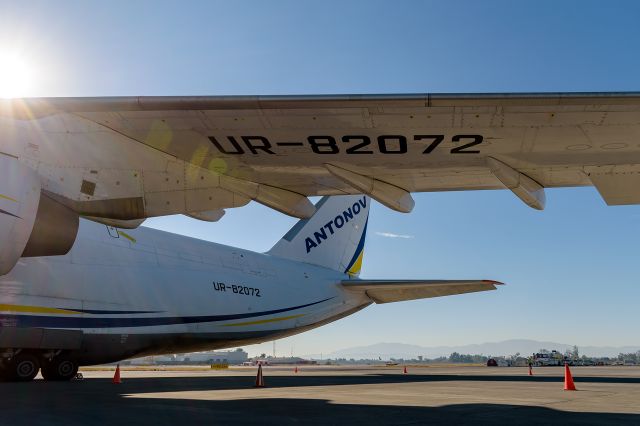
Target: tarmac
point(329, 396)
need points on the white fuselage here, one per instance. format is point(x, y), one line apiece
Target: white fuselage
point(146, 291)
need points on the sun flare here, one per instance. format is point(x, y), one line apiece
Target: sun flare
point(16, 75)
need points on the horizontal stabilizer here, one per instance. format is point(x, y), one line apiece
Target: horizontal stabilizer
point(386, 291)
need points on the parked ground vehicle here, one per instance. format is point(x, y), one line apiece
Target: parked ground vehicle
point(553, 358)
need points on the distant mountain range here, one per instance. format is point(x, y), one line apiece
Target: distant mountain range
point(507, 347)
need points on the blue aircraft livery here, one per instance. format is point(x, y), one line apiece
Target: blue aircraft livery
point(336, 223)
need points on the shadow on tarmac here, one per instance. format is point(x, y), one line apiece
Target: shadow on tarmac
point(177, 384)
point(98, 402)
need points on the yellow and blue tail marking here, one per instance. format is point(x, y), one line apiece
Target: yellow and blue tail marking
point(333, 237)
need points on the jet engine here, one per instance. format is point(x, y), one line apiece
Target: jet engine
point(31, 222)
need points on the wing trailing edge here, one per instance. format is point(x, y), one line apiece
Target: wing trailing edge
point(386, 291)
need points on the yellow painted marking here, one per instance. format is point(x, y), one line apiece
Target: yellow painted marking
point(218, 166)
point(357, 265)
point(197, 159)
point(36, 309)
point(4, 197)
point(264, 321)
point(127, 236)
point(160, 135)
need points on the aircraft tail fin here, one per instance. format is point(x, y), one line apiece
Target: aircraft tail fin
point(333, 237)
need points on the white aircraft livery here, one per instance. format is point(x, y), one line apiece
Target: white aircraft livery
point(82, 283)
point(120, 294)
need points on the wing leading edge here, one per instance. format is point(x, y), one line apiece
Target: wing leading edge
point(386, 291)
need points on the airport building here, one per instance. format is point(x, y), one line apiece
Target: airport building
point(215, 357)
point(291, 360)
point(234, 357)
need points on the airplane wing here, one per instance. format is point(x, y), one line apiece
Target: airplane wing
point(128, 158)
point(386, 291)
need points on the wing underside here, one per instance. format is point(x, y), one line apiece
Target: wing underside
point(386, 291)
point(127, 158)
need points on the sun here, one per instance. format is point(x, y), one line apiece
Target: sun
point(16, 75)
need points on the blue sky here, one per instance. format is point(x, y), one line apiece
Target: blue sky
point(572, 271)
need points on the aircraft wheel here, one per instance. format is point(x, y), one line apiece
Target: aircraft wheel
point(60, 369)
point(23, 368)
point(4, 372)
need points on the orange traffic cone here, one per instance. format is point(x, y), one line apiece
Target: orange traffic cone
point(404, 370)
point(530, 370)
point(116, 377)
point(295, 370)
point(259, 378)
point(568, 379)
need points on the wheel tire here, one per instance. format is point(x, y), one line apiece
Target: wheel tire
point(5, 375)
point(60, 369)
point(24, 367)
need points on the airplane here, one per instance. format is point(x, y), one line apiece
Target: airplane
point(116, 161)
point(120, 294)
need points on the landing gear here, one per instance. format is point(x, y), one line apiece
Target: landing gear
point(23, 367)
point(60, 368)
point(5, 375)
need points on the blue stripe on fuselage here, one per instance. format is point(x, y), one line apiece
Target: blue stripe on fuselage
point(9, 214)
point(78, 322)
